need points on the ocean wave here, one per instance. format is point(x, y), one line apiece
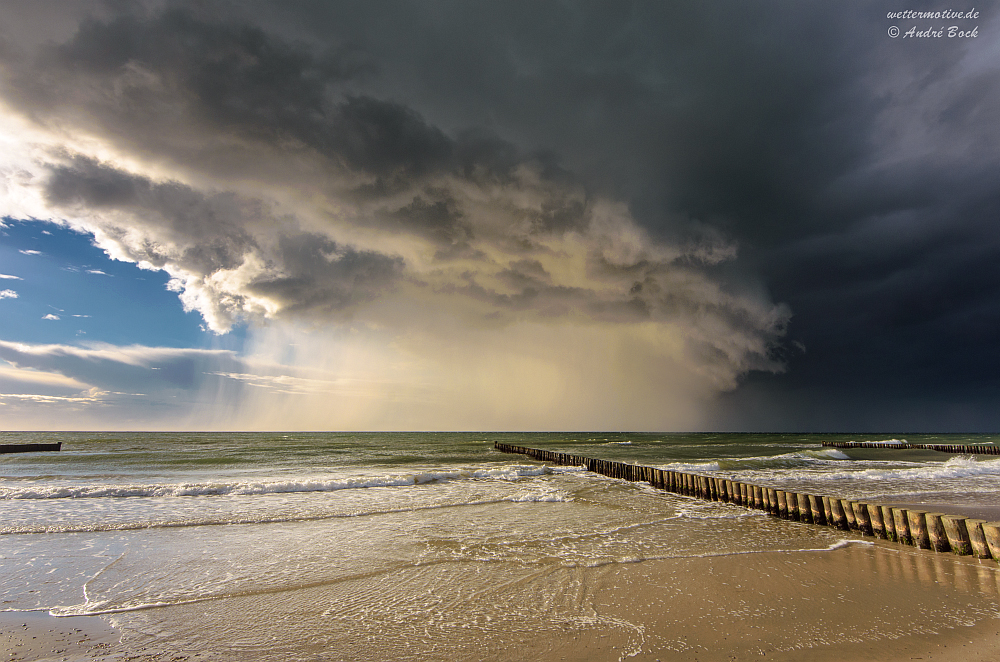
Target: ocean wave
point(252, 488)
point(955, 467)
point(691, 467)
point(807, 454)
point(543, 496)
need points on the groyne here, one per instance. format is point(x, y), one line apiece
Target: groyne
point(29, 448)
point(906, 526)
point(944, 448)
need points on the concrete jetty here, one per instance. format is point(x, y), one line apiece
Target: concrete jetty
point(932, 531)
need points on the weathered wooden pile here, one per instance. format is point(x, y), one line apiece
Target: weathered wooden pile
point(29, 448)
point(936, 531)
point(944, 448)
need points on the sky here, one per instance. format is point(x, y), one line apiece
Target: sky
point(455, 215)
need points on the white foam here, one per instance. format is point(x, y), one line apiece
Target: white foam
point(248, 488)
point(840, 544)
point(539, 496)
point(692, 467)
point(836, 454)
point(807, 455)
point(955, 467)
point(886, 442)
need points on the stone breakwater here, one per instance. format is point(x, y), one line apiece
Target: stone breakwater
point(944, 448)
point(933, 531)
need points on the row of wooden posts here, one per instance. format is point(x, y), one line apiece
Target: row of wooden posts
point(937, 531)
point(29, 448)
point(944, 448)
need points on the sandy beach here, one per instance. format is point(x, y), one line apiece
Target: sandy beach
point(858, 602)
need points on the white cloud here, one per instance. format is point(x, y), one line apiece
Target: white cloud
point(32, 397)
point(30, 252)
point(9, 277)
point(96, 271)
point(37, 379)
point(8, 294)
point(50, 316)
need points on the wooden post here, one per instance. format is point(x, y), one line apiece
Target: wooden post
point(782, 505)
point(889, 523)
point(839, 518)
point(792, 505)
point(977, 538)
point(816, 507)
point(875, 517)
point(805, 513)
point(828, 511)
point(758, 498)
point(957, 533)
point(861, 518)
point(772, 501)
point(992, 532)
point(918, 528)
point(902, 524)
point(936, 533)
point(852, 522)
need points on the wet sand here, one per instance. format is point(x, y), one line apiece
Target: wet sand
point(31, 636)
point(860, 602)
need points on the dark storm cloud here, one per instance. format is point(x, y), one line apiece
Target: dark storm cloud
point(318, 276)
point(233, 78)
point(171, 226)
point(210, 226)
point(857, 173)
point(185, 83)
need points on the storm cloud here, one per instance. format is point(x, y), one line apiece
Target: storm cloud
point(780, 202)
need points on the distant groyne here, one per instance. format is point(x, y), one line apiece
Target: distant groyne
point(935, 531)
point(29, 448)
point(944, 448)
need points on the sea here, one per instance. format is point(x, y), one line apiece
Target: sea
point(382, 545)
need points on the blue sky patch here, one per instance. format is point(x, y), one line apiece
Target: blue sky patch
point(57, 287)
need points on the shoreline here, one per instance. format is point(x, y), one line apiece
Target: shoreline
point(856, 602)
